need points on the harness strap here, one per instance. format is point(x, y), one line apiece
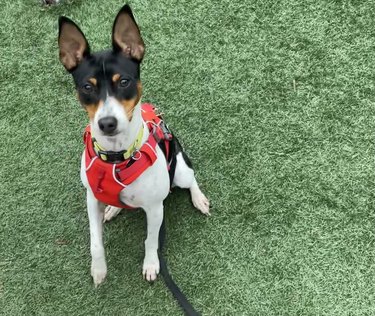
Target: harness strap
point(144, 158)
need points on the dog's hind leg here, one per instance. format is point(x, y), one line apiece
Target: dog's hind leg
point(199, 200)
point(184, 178)
point(111, 212)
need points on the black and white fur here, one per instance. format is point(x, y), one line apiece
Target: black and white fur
point(106, 96)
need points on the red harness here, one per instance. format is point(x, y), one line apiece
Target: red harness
point(107, 180)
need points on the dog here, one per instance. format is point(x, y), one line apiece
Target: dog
point(109, 89)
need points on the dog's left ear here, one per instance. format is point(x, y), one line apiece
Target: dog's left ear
point(126, 36)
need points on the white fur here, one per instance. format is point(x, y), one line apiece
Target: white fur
point(148, 191)
point(126, 130)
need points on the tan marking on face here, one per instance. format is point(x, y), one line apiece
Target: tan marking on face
point(129, 105)
point(91, 109)
point(93, 81)
point(115, 77)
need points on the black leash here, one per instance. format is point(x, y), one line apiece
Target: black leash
point(172, 286)
point(180, 297)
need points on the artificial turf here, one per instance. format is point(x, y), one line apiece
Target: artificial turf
point(274, 102)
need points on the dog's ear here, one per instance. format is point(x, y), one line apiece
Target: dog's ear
point(126, 36)
point(72, 43)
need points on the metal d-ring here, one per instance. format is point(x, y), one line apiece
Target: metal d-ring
point(140, 155)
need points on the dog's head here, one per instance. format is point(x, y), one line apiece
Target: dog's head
point(108, 83)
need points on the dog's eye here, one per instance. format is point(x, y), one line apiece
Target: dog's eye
point(87, 88)
point(124, 82)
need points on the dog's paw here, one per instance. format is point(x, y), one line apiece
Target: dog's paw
point(151, 269)
point(200, 202)
point(110, 212)
point(98, 272)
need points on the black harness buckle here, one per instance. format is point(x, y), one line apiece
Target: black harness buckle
point(112, 156)
point(162, 132)
point(166, 131)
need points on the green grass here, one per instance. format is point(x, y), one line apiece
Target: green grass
point(274, 102)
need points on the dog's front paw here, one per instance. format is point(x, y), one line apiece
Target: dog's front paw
point(98, 271)
point(151, 269)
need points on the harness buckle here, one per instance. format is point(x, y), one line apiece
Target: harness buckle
point(111, 156)
point(166, 132)
point(161, 132)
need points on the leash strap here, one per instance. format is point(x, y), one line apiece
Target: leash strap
point(172, 286)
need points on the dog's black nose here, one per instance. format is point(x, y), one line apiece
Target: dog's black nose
point(108, 124)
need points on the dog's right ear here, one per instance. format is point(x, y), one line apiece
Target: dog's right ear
point(72, 43)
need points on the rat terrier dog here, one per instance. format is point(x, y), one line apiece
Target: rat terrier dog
point(131, 159)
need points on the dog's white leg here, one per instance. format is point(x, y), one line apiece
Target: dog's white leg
point(151, 265)
point(184, 178)
point(98, 264)
point(111, 212)
point(199, 199)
